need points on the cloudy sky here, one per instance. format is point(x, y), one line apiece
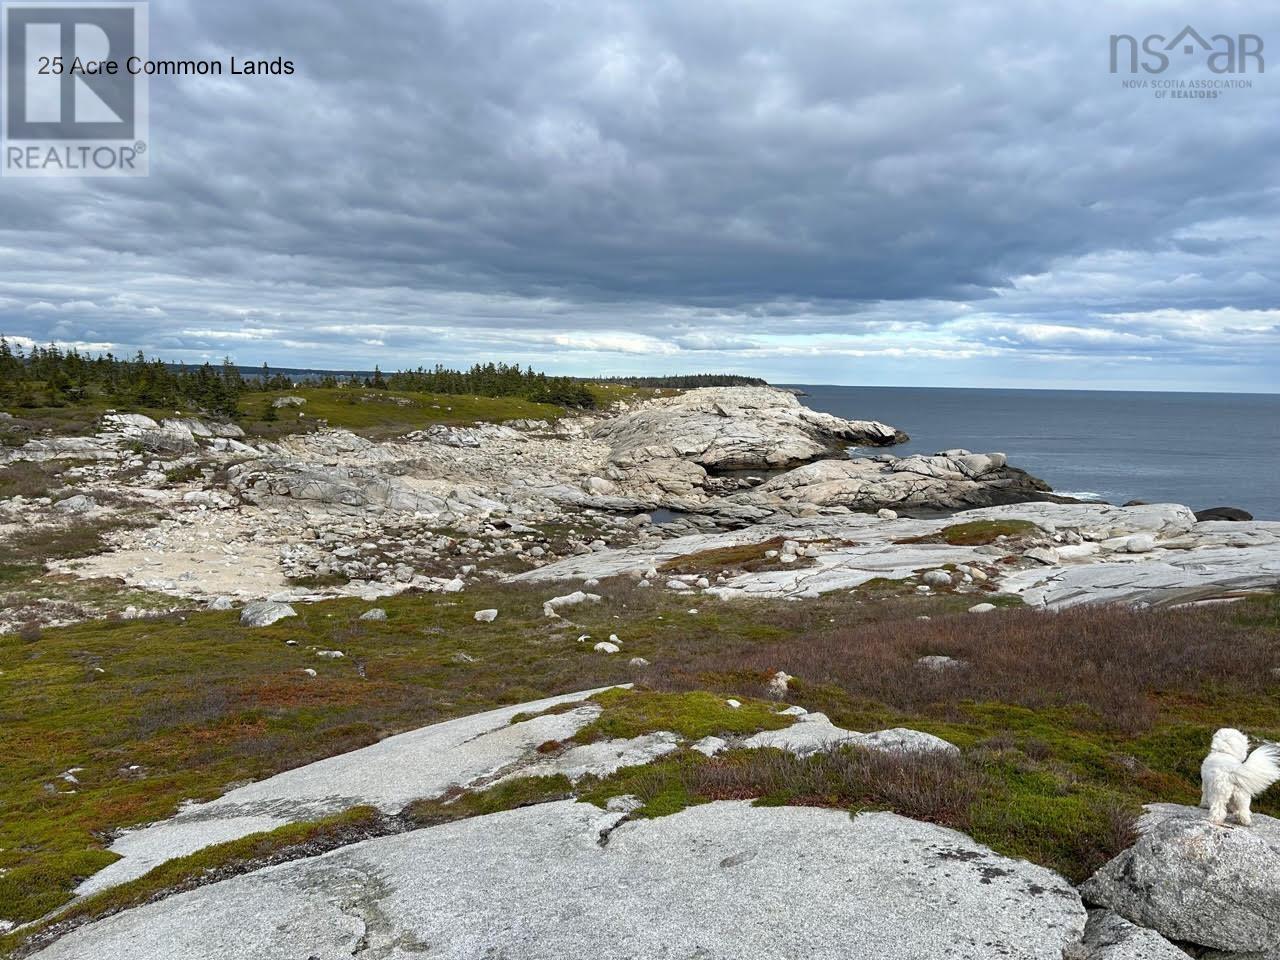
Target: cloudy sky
point(824, 191)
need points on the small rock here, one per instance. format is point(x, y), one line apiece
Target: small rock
point(884, 513)
point(710, 746)
point(486, 616)
point(735, 704)
point(638, 662)
point(605, 647)
point(1045, 555)
point(569, 600)
point(265, 612)
point(937, 578)
point(777, 686)
point(982, 608)
point(1141, 543)
point(940, 663)
point(220, 603)
point(330, 654)
point(308, 671)
point(377, 613)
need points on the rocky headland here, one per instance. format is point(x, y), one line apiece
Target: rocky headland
point(197, 512)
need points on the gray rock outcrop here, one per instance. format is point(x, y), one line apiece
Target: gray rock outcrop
point(734, 428)
point(721, 880)
point(1191, 880)
point(813, 732)
point(958, 479)
point(422, 763)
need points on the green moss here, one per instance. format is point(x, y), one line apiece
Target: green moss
point(513, 794)
point(381, 414)
point(880, 587)
point(633, 713)
point(977, 533)
point(662, 787)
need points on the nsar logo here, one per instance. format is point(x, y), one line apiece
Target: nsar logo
point(1225, 54)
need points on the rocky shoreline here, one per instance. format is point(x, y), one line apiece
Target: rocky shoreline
point(202, 513)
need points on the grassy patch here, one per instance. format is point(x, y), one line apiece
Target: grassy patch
point(978, 533)
point(1013, 804)
point(69, 540)
point(30, 595)
point(608, 394)
point(381, 414)
point(73, 420)
point(933, 787)
point(694, 715)
point(513, 794)
point(318, 581)
point(744, 558)
point(27, 478)
point(1071, 719)
point(157, 711)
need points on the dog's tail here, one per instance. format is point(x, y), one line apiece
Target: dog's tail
point(1260, 770)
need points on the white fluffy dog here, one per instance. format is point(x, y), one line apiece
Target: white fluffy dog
point(1230, 776)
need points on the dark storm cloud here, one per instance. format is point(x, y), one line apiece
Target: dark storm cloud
point(673, 186)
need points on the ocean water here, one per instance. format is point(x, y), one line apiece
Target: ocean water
point(1201, 449)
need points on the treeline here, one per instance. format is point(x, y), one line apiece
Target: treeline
point(688, 381)
point(494, 380)
point(52, 377)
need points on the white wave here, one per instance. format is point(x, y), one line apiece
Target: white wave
point(1079, 494)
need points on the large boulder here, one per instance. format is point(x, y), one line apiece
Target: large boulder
point(721, 880)
point(734, 428)
point(1189, 879)
point(1234, 514)
point(265, 612)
